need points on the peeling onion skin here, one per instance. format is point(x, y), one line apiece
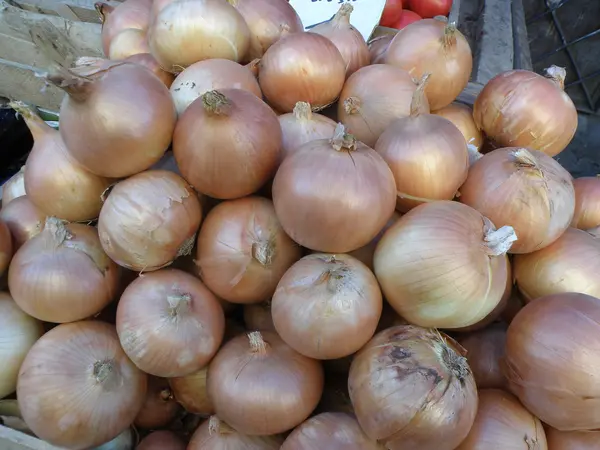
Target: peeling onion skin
point(62, 274)
point(509, 111)
point(191, 392)
point(161, 440)
point(214, 434)
point(14, 187)
point(551, 367)
point(572, 440)
point(462, 117)
point(587, 203)
point(83, 364)
point(503, 423)
point(149, 219)
point(6, 247)
point(365, 254)
point(169, 323)
point(24, 220)
point(412, 389)
point(159, 408)
point(148, 61)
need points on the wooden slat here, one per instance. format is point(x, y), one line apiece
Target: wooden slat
point(522, 53)
point(82, 10)
point(21, 83)
point(15, 440)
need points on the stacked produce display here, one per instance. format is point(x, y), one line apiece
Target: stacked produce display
point(247, 236)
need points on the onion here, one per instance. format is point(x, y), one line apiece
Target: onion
point(434, 47)
point(572, 440)
point(149, 219)
point(18, 332)
point(184, 32)
point(327, 306)
point(347, 39)
point(190, 391)
point(334, 195)
point(161, 440)
point(62, 274)
point(552, 360)
point(378, 46)
point(525, 189)
point(462, 117)
point(412, 389)
point(523, 109)
point(14, 187)
point(210, 75)
point(215, 434)
point(330, 430)
point(365, 254)
point(169, 323)
point(303, 67)
point(258, 317)
point(426, 153)
point(502, 423)
point(485, 349)
point(242, 250)
point(148, 61)
point(268, 21)
point(159, 408)
point(303, 126)
point(373, 98)
point(260, 386)
point(123, 441)
point(128, 43)
point(77, 388)
point(587, 204)
point(6, 247)
point(129, 15)
point(443, 265)
point(227, 143)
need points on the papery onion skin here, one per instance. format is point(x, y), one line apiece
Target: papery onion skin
point(587, 205)
point(169, 323)
point(330, 430)
point(502, 423)
point(373, 98)
point(572, 440)
point(327, 306)
point(552, 360)
point(62, 274)
point(434, 47)
point(302, 67)
point(302, 126)
point(257, 317)
point(365, 254)
point(214, 434)
point(18, 333)
point(14, 187)
point(161, 440)
point(422, 274)
point(227, 143)
point(101, 391)
point(413, 390)
point(131, 14)
point(190, 391)
point(462, 117)
point(485, 350)
point(185, 32)
point(378, 46)
point(261, 386)
point(210, 75)
point(148, 61)
point(520, 108)
point(159, 408)
point(6, 247)
point(128, 43)
point(149, 219)
point(24, 220)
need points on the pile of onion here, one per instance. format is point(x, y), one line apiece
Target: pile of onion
point(149, 219)
point(435, 47)
point(572, 440)
point(587, 203)
point(462, 117)
point(24, 220)
point(243, 251)
point(426, 153)
point(257, 317)
point(191, 393)
point(6, 247)
point(261, 386)
point(334, 195)
point(227, 143)
point(539, 114)
point(302, 126)
point(169, 323)
point(161, 440)
point(365, 254)
point(62, 274)
point(128, 19)
point(525, 189)
point(302, 67)
point(99, 388)
point(147, 60)
point(14, 187)
point(485, 350)
point(159, 408)
point(443, 265)
point(411, 388)
point(551, 360)
point(214, 434)
point(373, 98)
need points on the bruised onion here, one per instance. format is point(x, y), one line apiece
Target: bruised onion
point(257, 317)
point(169, 323)
point(62, 274)
point(462, 117)
point(77, 388)
point(525, 189)
point(214, 434)
point(24, 220)
point(302, 67)
point(227, 143)
point(148, 61)
point(261, 386)
point(365, 254)
point(373, 98)
point(129, 15)
point(587, 203)
point(149, 219)
point(520, 108)
point(378, 46)
point(443, 265)
point(552, 358)
point(327, 306)
point(159, 408)
point(485, 350)
point(161, 440)
point(302, 126)
point(435, 47)
point(6, 247)
point(413, 390)
point(572, 440)
point(191, 393)
point(14, 187)
point(243, 251)
point(334, 195)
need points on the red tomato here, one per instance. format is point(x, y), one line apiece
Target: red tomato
point(391, 13)
point(407, 18)
point(430, 8)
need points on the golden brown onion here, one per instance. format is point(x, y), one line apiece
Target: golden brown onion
point(520, 108)
point(587, 203)
point(214, 434)
point(365, 254)
point(128, 43)
point(261, 386)
point(525, 189)
point(257, 317)
point(485, 349)
point(131, 14)
point(99, 388)
point(6, 247)
point(572, 440)
point(14, 187)
point(302, 67)
point(161, 440)
point(552, 358)
point(24, 220)
point(191, 393)
point(378, 46)
point(159, 408)
point(413, 390)
point(148, 61)
point(462, 117)
point(149, 219)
